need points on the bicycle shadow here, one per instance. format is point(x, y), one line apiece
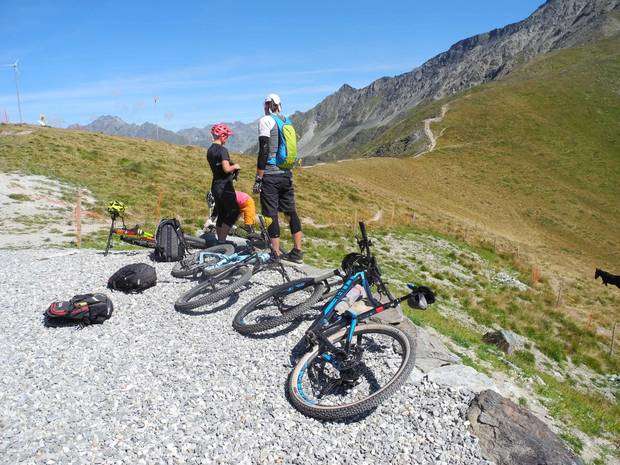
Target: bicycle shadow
point(274, 334)
point(310, 315)
point(231, 300)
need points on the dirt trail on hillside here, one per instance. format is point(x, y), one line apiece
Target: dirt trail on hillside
point(428, 131)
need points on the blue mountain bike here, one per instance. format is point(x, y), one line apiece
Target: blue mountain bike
point(350, 366)
point(222, 271)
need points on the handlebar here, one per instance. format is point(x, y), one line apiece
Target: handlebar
point(364, 243)
point(363, 230)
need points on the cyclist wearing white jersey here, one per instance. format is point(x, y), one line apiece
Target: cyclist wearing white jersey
point(275, 184)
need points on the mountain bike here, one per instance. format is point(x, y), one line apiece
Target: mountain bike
point(349, 366)
point(135, 235)
point(222, 274)
point(286, 302)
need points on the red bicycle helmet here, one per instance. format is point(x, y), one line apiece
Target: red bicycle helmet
point(221, 130)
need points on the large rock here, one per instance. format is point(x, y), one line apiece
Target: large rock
point(461, 377)
point(511, 435)
point(504, 339)
point(431, 353)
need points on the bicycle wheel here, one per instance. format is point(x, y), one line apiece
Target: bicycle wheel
point(278, 306)
point(214, 289)
point(380, 361)
point(195, 242)
point(189, 266)
point(139, 241)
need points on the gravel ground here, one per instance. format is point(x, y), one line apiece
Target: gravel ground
point(152, 385)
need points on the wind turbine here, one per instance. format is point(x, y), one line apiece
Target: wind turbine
point(15, 67)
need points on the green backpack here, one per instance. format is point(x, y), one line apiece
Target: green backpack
point(287, 146)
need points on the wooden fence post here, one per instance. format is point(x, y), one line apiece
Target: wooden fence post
point(160, 197)
point(78, 218)
point(557, 302)
point(613, 337)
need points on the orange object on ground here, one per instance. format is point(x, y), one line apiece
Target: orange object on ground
point(247, 207)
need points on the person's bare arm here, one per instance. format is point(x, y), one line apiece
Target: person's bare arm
point(228, 168)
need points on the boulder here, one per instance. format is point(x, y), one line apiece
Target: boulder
point(461, 377)
point(511, 435)
point(504, 339)
point(431, 353)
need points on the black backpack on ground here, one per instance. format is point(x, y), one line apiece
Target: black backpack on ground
point(133, 278)
point(170, 242)
point(82, 308)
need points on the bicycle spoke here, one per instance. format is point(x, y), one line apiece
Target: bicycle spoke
point(373, 361)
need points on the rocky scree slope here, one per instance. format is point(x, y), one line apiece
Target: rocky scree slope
point(354, 116)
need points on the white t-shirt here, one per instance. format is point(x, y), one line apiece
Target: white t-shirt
point(265, 125)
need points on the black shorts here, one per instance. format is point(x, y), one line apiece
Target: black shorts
point(225, 202)
point(277, 195)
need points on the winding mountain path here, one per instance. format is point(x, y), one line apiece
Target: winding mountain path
point(429, 132)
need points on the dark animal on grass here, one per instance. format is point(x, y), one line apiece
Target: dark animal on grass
point(607, 278)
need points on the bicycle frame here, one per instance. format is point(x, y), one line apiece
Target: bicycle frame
point(329, 323)
point(326, 325)
point(260, 260)
point(240, 258)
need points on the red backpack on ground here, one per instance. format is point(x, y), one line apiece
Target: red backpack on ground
point(82, 308)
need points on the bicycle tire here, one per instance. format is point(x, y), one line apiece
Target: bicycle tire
point(141, 242)
point(365, 405)
point(237, 277)
point(285, 289)
point(189, 266)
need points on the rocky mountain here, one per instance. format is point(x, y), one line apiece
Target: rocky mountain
point(244, 137)
point(115, 126)
point(351, 117)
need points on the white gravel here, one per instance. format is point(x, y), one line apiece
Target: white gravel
point(152, 385)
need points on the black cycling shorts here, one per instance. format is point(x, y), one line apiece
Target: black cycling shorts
point(225, 202)
point(277, 195)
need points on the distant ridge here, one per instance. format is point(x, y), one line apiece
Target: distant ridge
point(244, 137)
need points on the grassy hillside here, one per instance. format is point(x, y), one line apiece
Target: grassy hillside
point(526, 172)
point(534, 158)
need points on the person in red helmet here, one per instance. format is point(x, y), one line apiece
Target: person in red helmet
point(222, 187)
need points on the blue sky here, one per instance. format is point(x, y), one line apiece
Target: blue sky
point(214, 61)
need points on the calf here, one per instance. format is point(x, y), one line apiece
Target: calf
point(607, 278)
